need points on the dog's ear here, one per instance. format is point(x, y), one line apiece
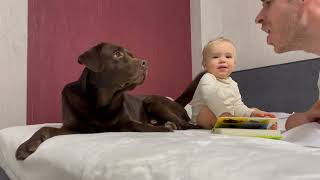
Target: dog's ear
point(104, 95)
point(83, 80)
point(92, 58)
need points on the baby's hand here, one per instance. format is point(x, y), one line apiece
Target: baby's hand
point(226, 114)
point(258, 113)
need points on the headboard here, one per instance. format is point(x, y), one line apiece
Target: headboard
point(291, 87)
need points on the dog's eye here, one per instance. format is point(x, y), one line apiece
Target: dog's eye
point(117, 54)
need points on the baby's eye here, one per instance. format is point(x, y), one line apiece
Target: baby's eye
point(215, 57)
point(228, 57)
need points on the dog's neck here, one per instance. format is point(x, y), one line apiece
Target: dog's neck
point(110, 100)
point(107, 99)
point(100, 97)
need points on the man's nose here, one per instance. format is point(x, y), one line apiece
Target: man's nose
point(260, 17)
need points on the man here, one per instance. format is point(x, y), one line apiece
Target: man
point(293, 25)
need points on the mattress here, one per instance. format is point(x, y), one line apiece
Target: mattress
point(180, 155)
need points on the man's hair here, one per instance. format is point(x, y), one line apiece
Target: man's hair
point(212, 43)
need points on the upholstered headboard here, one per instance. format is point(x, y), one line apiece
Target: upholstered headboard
point(291, 87)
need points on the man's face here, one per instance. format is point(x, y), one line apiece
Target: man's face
point(281, 20)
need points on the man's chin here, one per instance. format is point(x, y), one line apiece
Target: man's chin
point(280, 51)
point(281, 48)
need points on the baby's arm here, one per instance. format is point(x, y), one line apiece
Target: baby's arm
point(242, 110)
point(258, 113)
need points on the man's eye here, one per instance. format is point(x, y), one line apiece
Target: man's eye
point(267, 3)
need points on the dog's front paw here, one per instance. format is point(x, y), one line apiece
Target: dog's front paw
point(192, 126)
point(26, 149)
point(171, 125)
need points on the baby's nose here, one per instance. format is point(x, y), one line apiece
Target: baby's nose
point(222, 60)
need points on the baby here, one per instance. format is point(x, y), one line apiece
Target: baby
point(217, 94)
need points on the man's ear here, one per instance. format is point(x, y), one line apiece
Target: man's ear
point(92, 59)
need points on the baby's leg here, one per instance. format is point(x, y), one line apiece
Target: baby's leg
point(206, 118)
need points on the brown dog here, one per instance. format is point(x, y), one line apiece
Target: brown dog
point(97, 102)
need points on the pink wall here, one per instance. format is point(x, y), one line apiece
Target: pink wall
point(59, 30)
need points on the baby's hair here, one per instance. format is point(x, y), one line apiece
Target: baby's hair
point(211, 43)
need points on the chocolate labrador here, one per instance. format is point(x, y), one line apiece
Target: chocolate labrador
point(98, 102)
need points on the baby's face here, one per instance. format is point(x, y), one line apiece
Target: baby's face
point(221, 60)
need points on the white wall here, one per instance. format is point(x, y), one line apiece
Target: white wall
point(234, 19)
point(13, 63)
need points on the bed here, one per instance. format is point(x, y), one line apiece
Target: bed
point(190, 154)
point(183, 155)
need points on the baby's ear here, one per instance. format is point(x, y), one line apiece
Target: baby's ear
point(203, 66)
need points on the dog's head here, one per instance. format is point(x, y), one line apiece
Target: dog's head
point(111, 68)
point(112, 65)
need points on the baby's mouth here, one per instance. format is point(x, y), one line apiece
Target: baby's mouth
point(222, 67)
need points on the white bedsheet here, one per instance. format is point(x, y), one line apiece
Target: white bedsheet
point(182, 155)
point(306, 135)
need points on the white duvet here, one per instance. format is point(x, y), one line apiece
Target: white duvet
point(182, 155)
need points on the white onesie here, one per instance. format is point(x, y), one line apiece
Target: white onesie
point(220, 95)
